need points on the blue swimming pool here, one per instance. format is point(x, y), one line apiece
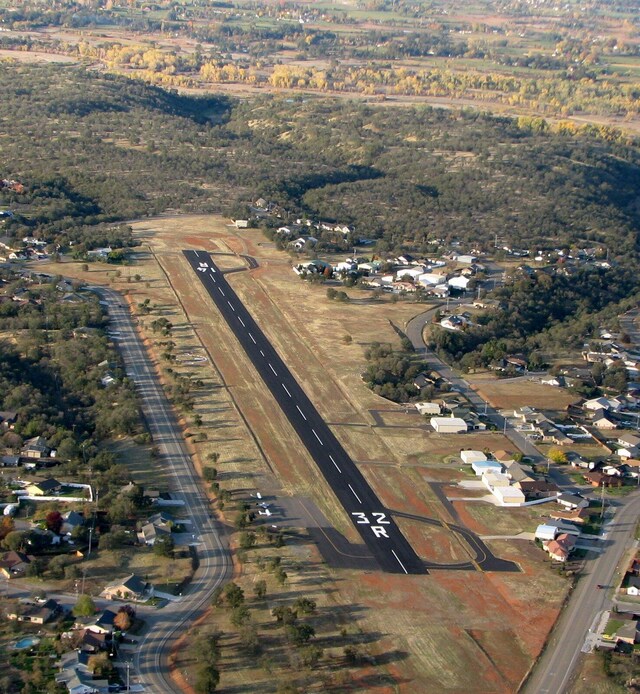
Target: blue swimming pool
point(26, 642)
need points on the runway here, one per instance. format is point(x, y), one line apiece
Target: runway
point(370, 518)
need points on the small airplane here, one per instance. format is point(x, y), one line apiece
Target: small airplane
point(257, 495)
point(263, 504)
point(264, 512)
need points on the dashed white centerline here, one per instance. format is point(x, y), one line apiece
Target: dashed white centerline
point(262, 353)
point(197, 254)
point(241, 322)
point(220, 290)
point(353, 491)
point(319, 439)
point(301, 412)
point(272, 369)
point(334, 462)
point(398, 560)
point(231, 306)
point(253, 339)
point(213, 279)
point(286, 389)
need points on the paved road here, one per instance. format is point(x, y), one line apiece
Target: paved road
point(554, 669)
point(167, 624)
point(370, 518)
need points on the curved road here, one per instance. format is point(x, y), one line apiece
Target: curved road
point(164, 626)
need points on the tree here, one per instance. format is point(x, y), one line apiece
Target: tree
point(240, 615)
point(35, 568)
point(304, 606)
point(15, 540)
point(54, 521)
point(123, 619)
point(84, 607)
point(164, 546)
point(100, 665)
point(233, 594)
point(207, 679)
point(299, 632)
point(247, 540)
point(260, 589)
point(557, 456)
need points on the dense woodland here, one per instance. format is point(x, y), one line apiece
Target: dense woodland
point(414, 180)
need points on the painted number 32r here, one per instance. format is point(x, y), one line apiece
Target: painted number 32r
point(379, 521)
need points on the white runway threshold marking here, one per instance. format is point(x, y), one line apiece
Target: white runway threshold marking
point(286, 389)
point(301, 412)
point(319, 439)
point(353, 491)
point(336, 464)
point(398, 560)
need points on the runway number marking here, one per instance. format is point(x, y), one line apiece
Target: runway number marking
point(379, 518)
point(203, 267)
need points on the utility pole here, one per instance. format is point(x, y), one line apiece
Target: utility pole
point(128, 675)
point(602, 503)
point(90, 536)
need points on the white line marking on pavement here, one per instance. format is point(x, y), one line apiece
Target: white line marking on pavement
point(231, 306)
point(334, 462)
point(301, 412)
point(272, 369)
point(353, 491)
point(253, 339)
point(316, 435)
point(242, 322)
point(220, 290)
point(261, 352)
point(197, 254)
point(398, 560)
point(285, 387)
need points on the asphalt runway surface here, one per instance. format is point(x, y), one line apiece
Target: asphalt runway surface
point(371, 519)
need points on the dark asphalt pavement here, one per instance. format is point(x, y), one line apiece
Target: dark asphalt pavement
point(370, 518)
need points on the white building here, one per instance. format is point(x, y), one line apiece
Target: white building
point(508, 496)
point(460, 282)
point(431, 279)
point(546, 532)
point(469, 457)
point(449, 425)
point(428, 407)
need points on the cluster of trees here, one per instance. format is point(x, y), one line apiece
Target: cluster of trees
point(541, 313)
point(391, 373)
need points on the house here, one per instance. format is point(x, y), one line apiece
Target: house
point(14, 564)
point(596, 404)
point(564, 527)
point(107, 380)
point(469, 457)
point(561, 547)
point(70, 521)
point(633, 467)
point(412, 272)
point(538, 489)
point(150, 532)
point(503, 456)
point(431, 279)
point(546, 532)
point(9, 460)
point(597, 479)
point(94, 642)
point(8, 419)
point(428, 408)
point(454, 322)
point(37, 613)
point(628, 632)
point(47, 487)
point(601, 420)
point(422, 381)
point(633, 586)
point(449, 425)
point(572, 501)
point(76, 677)
point(130, 588)
point(36, 448)
point(104, 623)
point(628, 452)
point(578, 516)
point(241, 223)
point(466, 259)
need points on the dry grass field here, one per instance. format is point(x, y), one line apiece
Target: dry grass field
point(447, 631)
point(512, 394)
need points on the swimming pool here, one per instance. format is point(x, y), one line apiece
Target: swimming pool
point(26, 642)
